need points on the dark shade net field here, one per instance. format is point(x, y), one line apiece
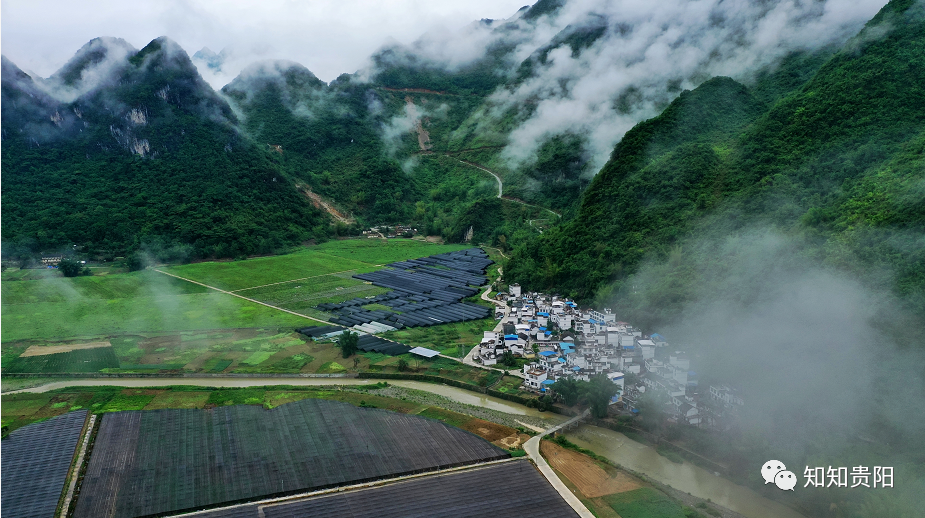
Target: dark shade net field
point(160, 461)
point(509, 490)
point(86, 360)
point(35, 462)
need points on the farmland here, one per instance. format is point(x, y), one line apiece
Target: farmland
point(124, 303)
point(21, 409)
point(327, 258)
point(40, 304)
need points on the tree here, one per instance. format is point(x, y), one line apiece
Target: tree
point(69, 268)
point(570, 390)
point(402, 365)
point(651, 406)
point(348, 343)
point(508, 359)
point(600, 392)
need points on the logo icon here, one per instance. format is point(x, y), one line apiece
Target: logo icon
point(785, 480)
point(770, 470)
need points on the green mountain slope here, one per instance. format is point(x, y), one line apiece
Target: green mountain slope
point(836, 165)
point(149, 157)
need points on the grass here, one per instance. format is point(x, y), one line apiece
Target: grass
point(645, 502)
point(123, 402)
point(445, 338)
point(330, 257)
point(447, 416)
point(178, 312)
point(41, 304)
point(331, 367)
point(84, 360)
point(378, 251)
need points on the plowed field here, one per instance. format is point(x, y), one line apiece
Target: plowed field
point(581, 470)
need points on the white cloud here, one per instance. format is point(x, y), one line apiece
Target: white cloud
point(673, 42)
point(330, 37)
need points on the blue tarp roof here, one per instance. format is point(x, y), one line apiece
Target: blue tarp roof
point(657, 336)
point(510, 337)
point(548, 382)
point(547, 353)
point(561, 360)
point(543, 314)
point(548, 333)
point(542, 329)
point(576, 368)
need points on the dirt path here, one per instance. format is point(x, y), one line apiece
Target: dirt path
point(501, 187)
point(255, 301)
point(295, 280)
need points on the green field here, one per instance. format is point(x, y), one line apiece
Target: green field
point(446, 338)
point(41, 304)
point(645, 502)
point(83, 317)
point(310, 262)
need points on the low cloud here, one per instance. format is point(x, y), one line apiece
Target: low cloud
point(815, 353)
point(652, 51)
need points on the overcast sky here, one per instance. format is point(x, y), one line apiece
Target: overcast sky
point(330, 37)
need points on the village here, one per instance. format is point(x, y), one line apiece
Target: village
point(565, 341)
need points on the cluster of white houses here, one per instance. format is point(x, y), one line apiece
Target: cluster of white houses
point(566, 341)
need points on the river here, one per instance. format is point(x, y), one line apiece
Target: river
point(615, 446)
point(684, 477)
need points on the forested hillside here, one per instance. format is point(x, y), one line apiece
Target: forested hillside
point(837, 166)
point(145, 155)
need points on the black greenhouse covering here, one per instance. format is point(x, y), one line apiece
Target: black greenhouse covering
point(425, 292)
point(159, 461)
point(35, 462)
point(509, 490)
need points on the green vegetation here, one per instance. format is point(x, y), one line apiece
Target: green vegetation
point(455, 339)
point(331, 367)
point(199, 189)
point(84, 360)
point(597, 392)
point(833, 166)
point(348, 343)
point(148, 301)
point(645, 502)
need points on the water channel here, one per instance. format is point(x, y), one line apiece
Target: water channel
point(613, 445)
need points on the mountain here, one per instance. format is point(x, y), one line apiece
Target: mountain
point(838, 166)
point(123, 150)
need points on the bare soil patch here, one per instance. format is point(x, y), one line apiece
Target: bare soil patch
point(515, 440)
point(41, 350)
point(592, 480)
point(487, 430)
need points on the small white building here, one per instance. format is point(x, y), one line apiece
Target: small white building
point(534, 376)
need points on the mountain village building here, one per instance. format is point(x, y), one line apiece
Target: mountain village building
point(569, 342)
